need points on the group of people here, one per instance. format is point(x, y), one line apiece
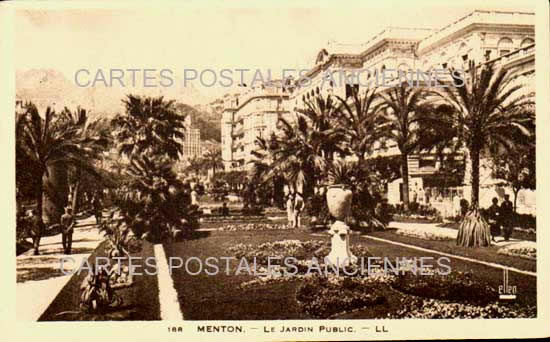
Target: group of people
point(35, 227)
point(294, 207)
point(501, 217)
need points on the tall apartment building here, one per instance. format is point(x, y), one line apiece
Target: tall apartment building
point(192, 142)
point(247, 116)
point(503, 38)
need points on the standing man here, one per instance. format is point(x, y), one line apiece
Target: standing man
point(67, 229)
point(96, 207)
point(36, 229)
point(290, 209)
point(507, 216)
point(225, 210)
point(298, 207)
point(493, 216)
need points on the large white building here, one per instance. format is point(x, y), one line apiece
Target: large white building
point(504, 38)
point(247, 116)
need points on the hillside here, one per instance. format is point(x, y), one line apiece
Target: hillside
point(207, 122)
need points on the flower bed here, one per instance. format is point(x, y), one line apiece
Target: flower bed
point(524, 250)
point(254, 227)
point(220, 219)
point(329, 294)
point(424, 235)
point(301, 250)
point(456, 287)
point(281, 249)
point(529, 231)
point(325, 297)
point(414, 218)
point(274, 210)
point(414, 307)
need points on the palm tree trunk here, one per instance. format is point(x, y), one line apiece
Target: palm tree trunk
point(474, 157)
point(75, 193)
point(474, 231)
point(54, 197)
point(39, 194)
point(405, 178)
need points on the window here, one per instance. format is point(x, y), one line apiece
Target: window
point(527, 42)
point(505, 45)
point(426, 163)
point(351, 89)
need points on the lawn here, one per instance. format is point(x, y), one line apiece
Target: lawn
point(218, 297)
point(488, 254)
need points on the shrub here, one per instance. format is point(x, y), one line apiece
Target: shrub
point(317, 208)
point(253, 210)
point(156, 205)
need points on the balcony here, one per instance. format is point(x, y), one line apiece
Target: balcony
point(525, 52)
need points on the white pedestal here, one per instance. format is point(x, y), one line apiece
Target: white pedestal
point(340, 253)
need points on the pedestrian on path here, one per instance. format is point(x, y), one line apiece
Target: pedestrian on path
point(36, 229)
point(507, 216)
point(493, 216)
point(96, 207)
point(67, 229)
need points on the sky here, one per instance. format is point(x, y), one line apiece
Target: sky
point(285, 35)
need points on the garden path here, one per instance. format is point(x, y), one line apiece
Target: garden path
point(449, 233)
point(39, 278)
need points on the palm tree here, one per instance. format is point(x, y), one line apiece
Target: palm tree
point(150, 125)
point(213, 160)
point(156, 205)
point(96, 131)
point(48, 145)
point(301, 149)
point(488, 111)
point(322, 115)
point(360, 122)
point(195, 165)
point(404, 121)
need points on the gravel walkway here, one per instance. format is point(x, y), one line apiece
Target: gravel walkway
point(42, 275)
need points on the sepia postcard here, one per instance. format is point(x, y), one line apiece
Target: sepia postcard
point(275, 170)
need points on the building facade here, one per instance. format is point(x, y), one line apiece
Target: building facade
point(506, 39)
point(248, 116)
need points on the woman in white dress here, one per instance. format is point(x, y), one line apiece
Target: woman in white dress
point(290, 209)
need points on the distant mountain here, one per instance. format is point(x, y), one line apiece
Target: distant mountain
point(49, 87)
